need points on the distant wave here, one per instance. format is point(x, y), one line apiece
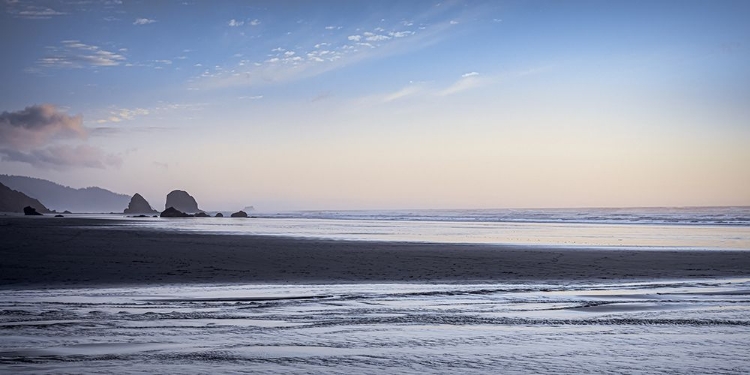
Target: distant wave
point(734, 216)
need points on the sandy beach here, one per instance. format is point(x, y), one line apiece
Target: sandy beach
point(49, 252)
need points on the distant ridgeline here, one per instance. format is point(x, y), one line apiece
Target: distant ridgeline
point(58, 197)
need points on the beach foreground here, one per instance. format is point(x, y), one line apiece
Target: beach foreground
point(90, 252)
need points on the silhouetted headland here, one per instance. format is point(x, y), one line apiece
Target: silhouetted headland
point(16, 201)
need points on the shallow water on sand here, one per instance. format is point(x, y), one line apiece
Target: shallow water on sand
point(659, 327)
point(572, 235)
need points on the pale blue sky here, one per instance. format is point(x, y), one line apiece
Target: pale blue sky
point(348, 104)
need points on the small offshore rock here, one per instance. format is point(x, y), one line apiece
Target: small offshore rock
point(239, 214)
point(28, 210)
point(172, 212)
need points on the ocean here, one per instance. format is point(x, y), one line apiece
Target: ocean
point(700, 228)
point(650, 327)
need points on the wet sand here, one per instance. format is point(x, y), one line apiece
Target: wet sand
point(57, 252)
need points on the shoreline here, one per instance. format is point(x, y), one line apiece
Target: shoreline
point(58, 253)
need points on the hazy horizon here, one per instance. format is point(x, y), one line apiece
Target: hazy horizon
point(291, 105)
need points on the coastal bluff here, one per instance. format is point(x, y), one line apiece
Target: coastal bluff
point(16, 201)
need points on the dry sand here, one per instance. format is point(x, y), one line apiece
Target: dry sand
point(56, 252)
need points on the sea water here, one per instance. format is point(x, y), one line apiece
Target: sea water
point(687, 326)
point(698, 228)
point(679, 326)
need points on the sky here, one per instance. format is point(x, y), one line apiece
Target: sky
point(288, 105)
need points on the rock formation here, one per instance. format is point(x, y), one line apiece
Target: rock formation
point(15, 201)
point(201, 214)
point(219, 214)
point(139, 205)
point(172, 212)
point(182, 201)
point(28, 210)
point(239, 214)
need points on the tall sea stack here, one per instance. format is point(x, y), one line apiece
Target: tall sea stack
point(139, 205)
point(182, 201)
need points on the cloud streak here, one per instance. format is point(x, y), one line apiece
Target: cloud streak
point(63, 157)
point(468, 81)
point(72, 54)
point(143, 21)
point(337, 50)
point(123, 114)
point(421, 89)
point(31, 11)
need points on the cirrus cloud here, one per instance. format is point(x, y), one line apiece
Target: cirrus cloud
point(143, 21)
point(73, 54)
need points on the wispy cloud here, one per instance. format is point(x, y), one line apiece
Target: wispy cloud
point(285, 64)
point(143, 21)
point(122, 114)
point(254, 97)
point(119, 115)
point(468, 81)
point(31, 11)
point(235, 23)
point(317, 53)
point(63, 157)
point(407, 91)
point(74, 54)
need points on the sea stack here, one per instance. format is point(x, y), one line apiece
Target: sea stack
point(182, 201)
point(239, 214)
point(139, 205)
point(28, 210)
point(172, 212)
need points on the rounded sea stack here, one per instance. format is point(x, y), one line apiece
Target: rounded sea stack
point(182, 201)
